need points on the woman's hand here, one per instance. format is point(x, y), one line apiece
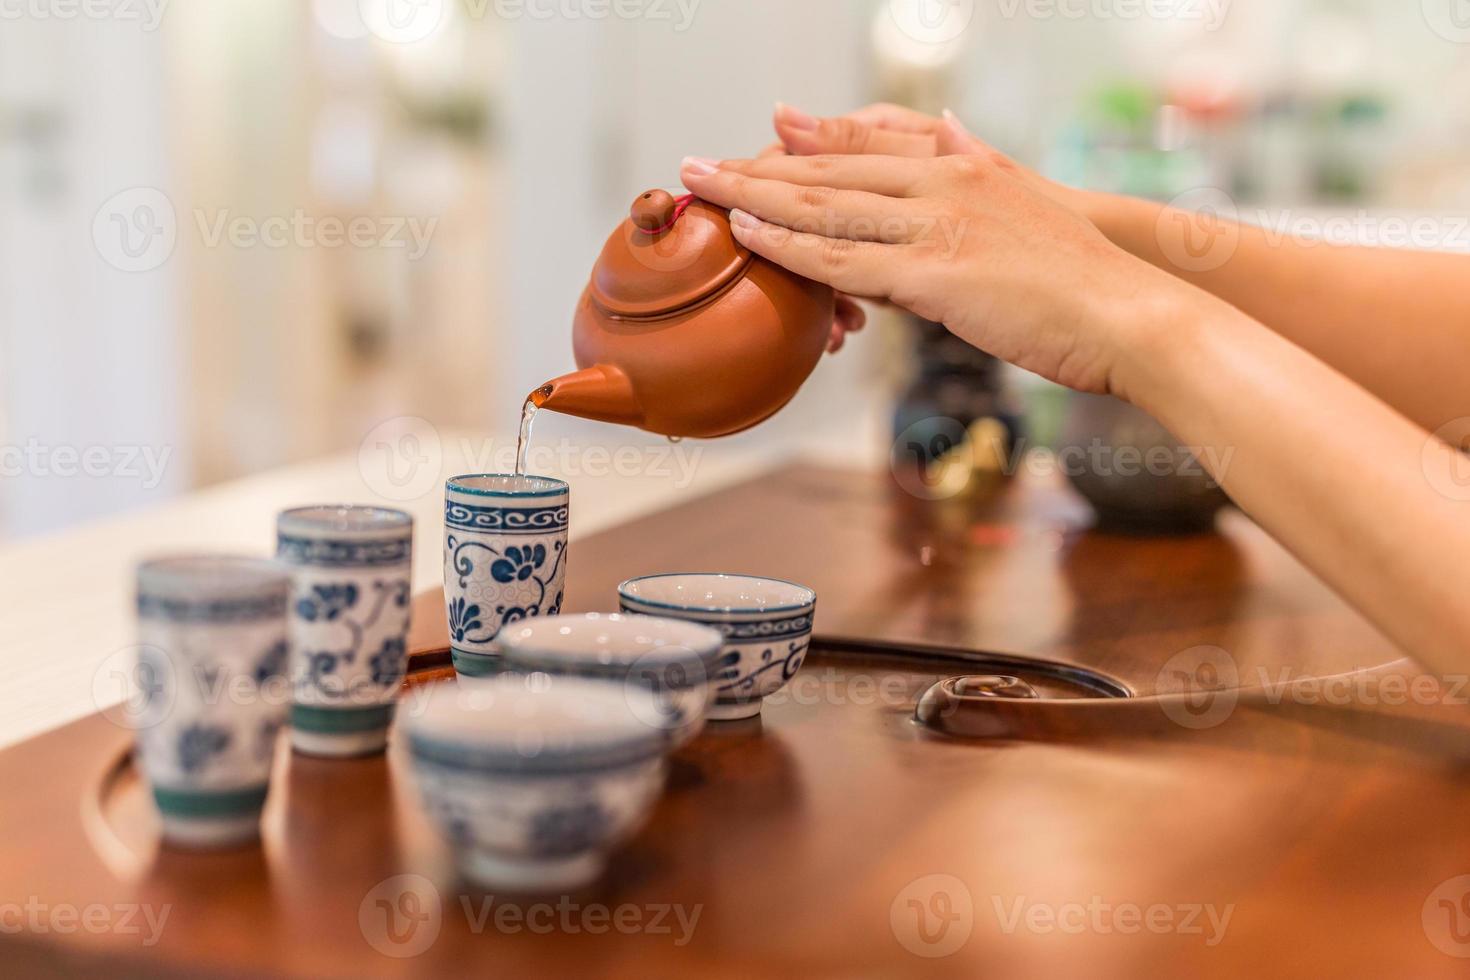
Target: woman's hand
point(891, 130)
point(959, 239)
point(1337, 302)
point(850, 316)
point(1004, 261)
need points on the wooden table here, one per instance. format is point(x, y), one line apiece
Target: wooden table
point(841, 838)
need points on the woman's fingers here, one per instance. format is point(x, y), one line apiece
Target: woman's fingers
point(827, 211)
point(953, 139)
point(836, 339)
point(884, 129)
point(901, 119)
point(888, 176)
point(879, 115)
point(850, 316)
point(847, 135)
point(881, 129)
point(856, 268)
point(850, 319)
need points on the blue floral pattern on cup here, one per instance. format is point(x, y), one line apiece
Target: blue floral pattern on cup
point(273, 663)
point(764, 644)
point(199, 743)
point(464, 619)
point(211, 691)
point(322, 672)
point(349, 622)
point(505, 551)
point(753, 664)
point(326, 602)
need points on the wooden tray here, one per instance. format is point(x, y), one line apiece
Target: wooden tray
point(331, 814)
point(837, 837)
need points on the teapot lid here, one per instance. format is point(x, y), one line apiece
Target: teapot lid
point(670, 253)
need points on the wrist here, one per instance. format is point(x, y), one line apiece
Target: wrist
point(1163, 332)
point(1115, 215)
point(1084, 202)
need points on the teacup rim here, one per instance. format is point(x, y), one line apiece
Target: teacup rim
point(329, 520)
point(532, 654)
point(201, 576)
point(492, 759)
point(710, 608)
point(544, 486)
point(628, 739)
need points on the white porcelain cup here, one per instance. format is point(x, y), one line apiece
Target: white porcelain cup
point(213, 692)
point(674, 660)
point(766, 624)
point(534, 778)
point(505, 559)
point(349, 618)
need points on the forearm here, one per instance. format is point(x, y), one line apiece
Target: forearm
point(1335, 475)
point(1395, 321)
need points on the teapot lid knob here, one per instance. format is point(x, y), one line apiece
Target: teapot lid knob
point(656, 211)
point(669, 254)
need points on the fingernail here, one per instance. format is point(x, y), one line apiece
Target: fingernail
point(742, 219)
point(954, 122)
point(795, 118)
point(700, 166)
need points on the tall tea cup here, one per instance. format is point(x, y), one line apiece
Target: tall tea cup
point(505, 559)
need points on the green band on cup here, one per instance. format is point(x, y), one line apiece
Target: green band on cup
point(341, 721)
point(476, 665)
point(206, 804)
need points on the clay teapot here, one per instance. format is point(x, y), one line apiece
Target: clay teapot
point(684, 332)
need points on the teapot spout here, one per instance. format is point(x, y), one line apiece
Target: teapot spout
point(602, 393)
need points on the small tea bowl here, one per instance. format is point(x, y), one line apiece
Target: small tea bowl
point(766, 625)
point(535, 778)
point(674, 660)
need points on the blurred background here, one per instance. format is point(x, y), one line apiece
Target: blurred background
point(240, 234)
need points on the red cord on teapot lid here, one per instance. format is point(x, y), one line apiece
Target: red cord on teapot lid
point(680, 205)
